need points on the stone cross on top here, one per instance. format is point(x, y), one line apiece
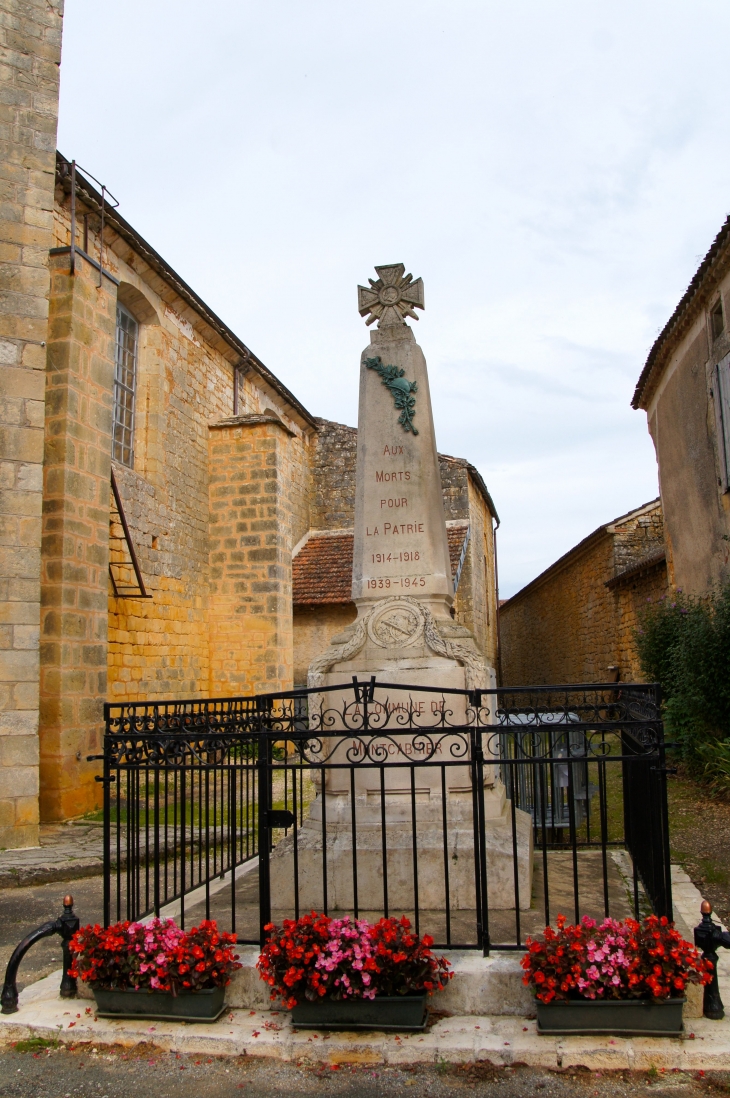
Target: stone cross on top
point(392, 297)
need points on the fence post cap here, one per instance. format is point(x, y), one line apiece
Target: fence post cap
point(706, 908)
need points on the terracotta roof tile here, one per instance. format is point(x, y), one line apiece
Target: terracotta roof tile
point(322, 569)
point(456, 535)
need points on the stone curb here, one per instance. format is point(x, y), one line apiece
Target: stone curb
point(22, 876)
point(499, 1040)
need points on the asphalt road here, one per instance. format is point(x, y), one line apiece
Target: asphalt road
point(58, 1073)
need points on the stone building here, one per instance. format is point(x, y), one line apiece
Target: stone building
point(156, 475)
point(30, 33)
point(575, 622)
point(684, 389)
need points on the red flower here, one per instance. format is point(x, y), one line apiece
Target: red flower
point(116, 956)
point(651, 959)
point(398, 961)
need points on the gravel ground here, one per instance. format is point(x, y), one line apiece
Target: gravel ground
point(83, 1073)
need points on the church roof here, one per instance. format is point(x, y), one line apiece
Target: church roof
point(322, 569)
point(113, 219)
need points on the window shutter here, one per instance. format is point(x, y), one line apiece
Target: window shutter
point(721, 395)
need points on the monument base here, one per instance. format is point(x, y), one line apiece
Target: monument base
point(406, 839)
point(434, 876)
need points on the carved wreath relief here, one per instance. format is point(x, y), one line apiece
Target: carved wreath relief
point(396, 626)
point(397, 622)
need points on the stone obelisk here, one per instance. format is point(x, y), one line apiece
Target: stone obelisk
point(404, 634)
point(401, 573)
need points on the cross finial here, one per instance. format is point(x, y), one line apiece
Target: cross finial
point(392, 297)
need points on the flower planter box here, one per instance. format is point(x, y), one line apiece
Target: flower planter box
point(617, 1017)
point(188, 1006)
point(389, 1012)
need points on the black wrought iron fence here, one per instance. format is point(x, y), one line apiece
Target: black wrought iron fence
point(479, 815)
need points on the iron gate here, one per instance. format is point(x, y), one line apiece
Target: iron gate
point(479, 815)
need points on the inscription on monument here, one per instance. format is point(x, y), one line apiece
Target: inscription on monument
point(400, 536)
point(385, 476)
point(394, 528)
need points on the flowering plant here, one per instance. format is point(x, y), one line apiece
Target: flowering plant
point(158, 956)
point(316, 956)
point(627, 960)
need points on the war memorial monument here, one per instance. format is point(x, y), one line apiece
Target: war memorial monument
point(404, 633)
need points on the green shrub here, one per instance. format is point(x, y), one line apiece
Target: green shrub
point(714, 758)
point(684, 644)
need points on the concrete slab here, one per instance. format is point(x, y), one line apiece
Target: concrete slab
point(498, 1039)
point(481, 985)
point(488, 1004)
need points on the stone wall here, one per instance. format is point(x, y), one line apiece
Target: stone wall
point(30, 33)
point(334, 455)
point(576, 621)
point(639, 539)
point(75, 551)
point(563, 629)
point(682, 423)
point(633, 596)
point(257, 474)
point(314, 628)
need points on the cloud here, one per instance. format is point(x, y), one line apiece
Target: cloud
point(552, 171)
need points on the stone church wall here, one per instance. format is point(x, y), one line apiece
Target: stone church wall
point(30, 36)
point(159, 647)
point(333, 476)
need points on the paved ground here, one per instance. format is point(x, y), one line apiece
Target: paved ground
point(52, 1073)
point(23, 909)
point(67, 852)
point(502, 924)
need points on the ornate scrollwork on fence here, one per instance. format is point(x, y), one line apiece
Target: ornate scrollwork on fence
point(383, 749)
point(360, 721)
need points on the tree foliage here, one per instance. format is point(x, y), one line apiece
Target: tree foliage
point(684, 644)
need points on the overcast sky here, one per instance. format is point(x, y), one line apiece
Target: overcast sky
point(552, 169)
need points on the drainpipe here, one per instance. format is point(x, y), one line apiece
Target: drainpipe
point(499, 630)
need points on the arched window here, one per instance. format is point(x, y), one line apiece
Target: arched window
point(125, 385)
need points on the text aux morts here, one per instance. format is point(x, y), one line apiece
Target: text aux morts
point(390, 476)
